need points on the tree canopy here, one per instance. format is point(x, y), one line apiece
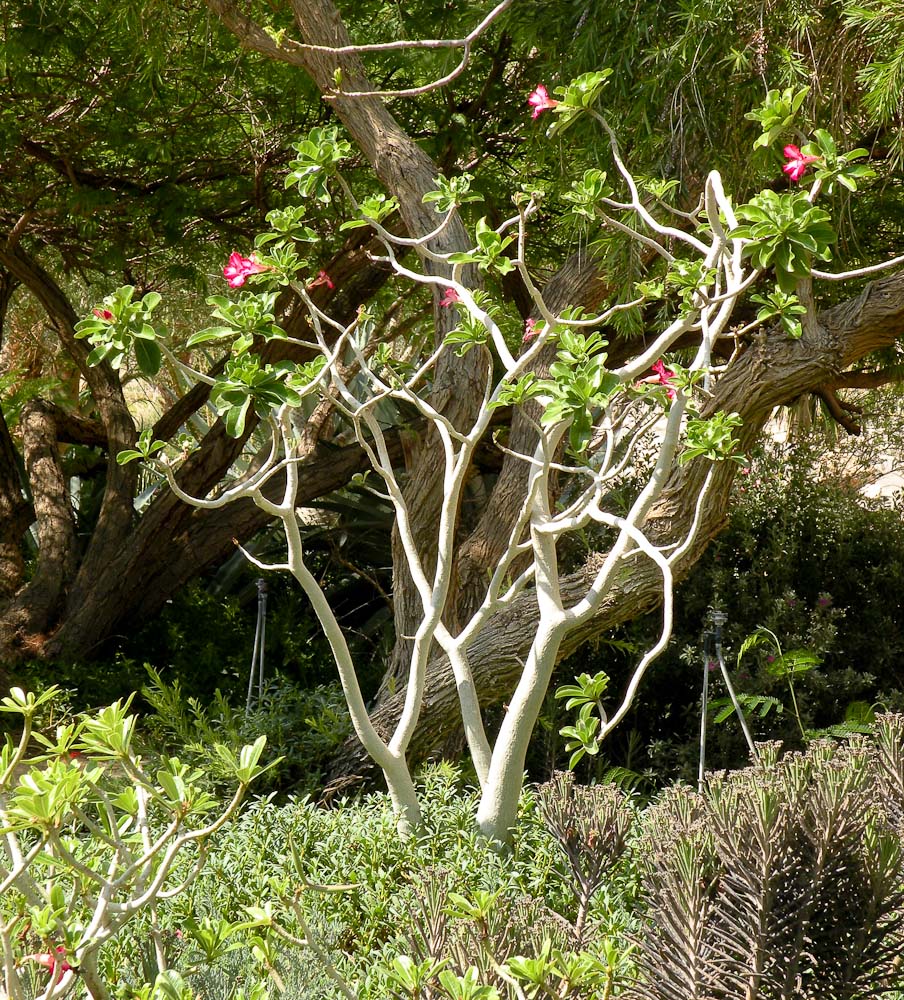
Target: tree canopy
point(145, 146)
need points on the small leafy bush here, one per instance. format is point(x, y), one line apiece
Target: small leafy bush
point(302, 727)
point(94, 841)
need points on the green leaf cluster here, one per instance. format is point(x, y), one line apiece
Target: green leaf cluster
point(247, 384)
point(777, 113)
point(713, 438)
point(784, 306)
point(319, 155)
point(129, 328)
point(586, 193)
point(785, 231)
point(245, 318)
point(580, 382)
point(489, 254)
point(451, 192)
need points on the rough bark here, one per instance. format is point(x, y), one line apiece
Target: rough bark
point(34, 606)
point(15, 511)
point(773, 371)
point(15, 516)
point(116, 512)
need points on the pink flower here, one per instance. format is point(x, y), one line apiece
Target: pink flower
point(662, 377)
point(531, 329)
point(238, 268)
point(540, 100)
point(797, 163)
point(49, 960)
point(104, 314)
point(449, 299)
point(322, 279)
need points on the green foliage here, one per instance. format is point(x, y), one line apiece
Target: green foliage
point(318, 158)
point(120, 326)
point(286, 223)
point(375, 209)
point(471, 331)
point(580, 381)
point(758, 705)
point(451, 193)
point(777, 114)
point(815, 563)
point(586, 194)
point(597, 899)
point(145, 448)
point(93, 838)
point(302, 727)
point(586, 694)
point(834, 166)
point(489, 253)
point(784, 306)
point(712, 438)
point(579, 95)
point(249, 316)
point(786, 231)
point(249, 385)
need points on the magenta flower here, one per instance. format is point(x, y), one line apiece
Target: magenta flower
point(450, 298)
point(322, 279)
point(797, 163)
point(532, 329)
point(238, 268)
point(663, 376)
point(50, 960)
point(104, 314)
point(540, 100)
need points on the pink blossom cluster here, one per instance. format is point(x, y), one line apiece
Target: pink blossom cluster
point(797, 163)
point(663, 376)
point(238, 268)
point(540, 101)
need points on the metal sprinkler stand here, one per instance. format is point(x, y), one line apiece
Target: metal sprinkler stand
point(257, 657)
point(712, 642)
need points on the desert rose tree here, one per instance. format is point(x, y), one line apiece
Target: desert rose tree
point(591, 421)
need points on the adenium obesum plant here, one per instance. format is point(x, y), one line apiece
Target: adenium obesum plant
point(51, 960)
point(322, 279)
point(662, 376)
point(593, 417)
point(143, 836)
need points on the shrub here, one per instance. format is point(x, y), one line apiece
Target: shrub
point(783, 879)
